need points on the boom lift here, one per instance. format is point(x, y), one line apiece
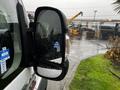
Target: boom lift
point(70, 20)
point(74, 30)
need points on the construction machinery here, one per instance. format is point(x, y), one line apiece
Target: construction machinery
point(74, 30)
point(71, 19)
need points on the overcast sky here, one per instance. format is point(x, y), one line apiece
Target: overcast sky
point(105, 8)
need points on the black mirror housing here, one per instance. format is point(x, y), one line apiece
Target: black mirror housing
point(49, 43)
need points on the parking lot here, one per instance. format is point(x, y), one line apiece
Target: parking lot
point(80, 49)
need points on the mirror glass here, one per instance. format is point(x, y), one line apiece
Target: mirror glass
point(49, 36)
point(47, 72)
point(49, 44)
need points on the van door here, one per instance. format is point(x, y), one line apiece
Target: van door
point(10, 43)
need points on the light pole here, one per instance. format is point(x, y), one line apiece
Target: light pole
point(96, 31)
point(80, 23)
point(81, 13)
point(95, 11)
point(95, 26)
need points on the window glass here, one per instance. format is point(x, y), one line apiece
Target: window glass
point(49, 32)
point(48, 25)
point(3, 21)
point(107, 27)
point(10, 46)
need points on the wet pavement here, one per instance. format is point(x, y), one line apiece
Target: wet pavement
point(80, 49)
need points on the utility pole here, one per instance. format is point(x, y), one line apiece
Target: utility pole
point(95, 11)
point(96, 31)
point(81, 14)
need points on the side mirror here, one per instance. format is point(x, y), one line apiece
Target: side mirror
point(49, 43)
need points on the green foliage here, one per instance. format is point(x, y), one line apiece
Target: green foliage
point(113, 52)
point(93, 74)
point(117, 3)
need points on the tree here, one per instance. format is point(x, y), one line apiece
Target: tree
point(113, 52)
point(117, 3)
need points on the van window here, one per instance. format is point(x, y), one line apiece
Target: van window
point(3, 21)
point(10, 44)
point(107, 27)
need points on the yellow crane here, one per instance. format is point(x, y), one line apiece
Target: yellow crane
point(71, 19)
point(73, 30)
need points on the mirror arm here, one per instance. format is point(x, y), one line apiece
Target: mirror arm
point(48, 64)
point(65, 70)
point(32, 26)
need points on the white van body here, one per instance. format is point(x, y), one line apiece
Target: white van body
point(31, 52)
point(26, 79)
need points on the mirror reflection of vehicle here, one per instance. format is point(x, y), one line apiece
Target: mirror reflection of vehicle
point(27, 49)
point(50, 30)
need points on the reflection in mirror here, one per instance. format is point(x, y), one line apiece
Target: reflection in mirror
point(51, 73)
point(49, 36)
point(50, 44)
point(58, 60)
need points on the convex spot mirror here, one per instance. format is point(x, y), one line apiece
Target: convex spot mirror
point(49, 37)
